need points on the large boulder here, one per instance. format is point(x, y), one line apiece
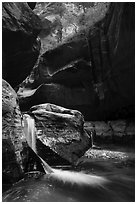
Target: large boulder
point(13, 140)
point(62, 130)
point(68, 68)
point(20, 47)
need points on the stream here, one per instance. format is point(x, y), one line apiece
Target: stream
point(114, 163)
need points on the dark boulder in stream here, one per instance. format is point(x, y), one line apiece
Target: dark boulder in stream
point(62, 130)
point(20, 47)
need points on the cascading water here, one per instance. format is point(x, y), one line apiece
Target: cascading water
point(66, 186)
point(30, 133)
point(55, 174)
point(29, 130)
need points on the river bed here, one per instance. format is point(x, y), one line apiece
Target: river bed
point(114, 163)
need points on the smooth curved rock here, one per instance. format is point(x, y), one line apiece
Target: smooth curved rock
point(72, 81)
point(20, 47)
point(62, 130)
point(55, 94)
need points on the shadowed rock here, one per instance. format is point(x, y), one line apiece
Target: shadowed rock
point(20, 49)
point(113, 59)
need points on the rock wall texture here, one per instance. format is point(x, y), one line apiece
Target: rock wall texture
point(108, 92)
point(62, 130)
point(13, 139)
point(17, 157)
point(113, 131)
point(20, 47)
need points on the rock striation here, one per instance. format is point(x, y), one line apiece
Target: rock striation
point(17, 157)
point(120, 131)
point(62, 130)
point(13, 140)
point(109, 92)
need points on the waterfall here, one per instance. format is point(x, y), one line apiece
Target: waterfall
point(65, 177)
point(30, 134)
point(29, 129)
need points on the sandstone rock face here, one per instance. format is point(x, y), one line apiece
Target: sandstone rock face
point(55, 94)
point(62, 130)
point(68, 68)
point(119, 128)
point(20, 49)
point(112, 131)
point(13, 140)
point(102, 129)
point(17, 157)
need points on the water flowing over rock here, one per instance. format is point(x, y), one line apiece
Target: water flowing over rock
point(62, 130)
point(17, 157)
point(20, 47)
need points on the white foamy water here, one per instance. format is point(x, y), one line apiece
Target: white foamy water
point(78, 178)
point(29, 130)
point(30, 133)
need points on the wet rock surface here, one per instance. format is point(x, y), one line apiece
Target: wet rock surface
point(62, 130)
point(111, 158)
point(118, 168)
point(20, 47)
point(108, 153)
point(13, 139)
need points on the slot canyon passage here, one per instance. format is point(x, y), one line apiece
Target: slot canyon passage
point(68, 101)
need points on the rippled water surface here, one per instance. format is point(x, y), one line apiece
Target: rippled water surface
point(116, 166)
